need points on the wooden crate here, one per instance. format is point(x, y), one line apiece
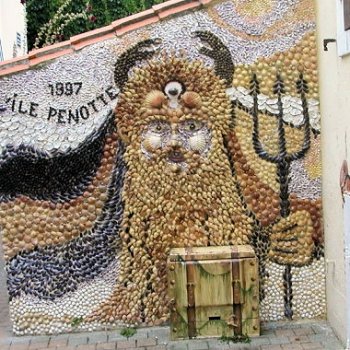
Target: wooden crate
point(214, 291)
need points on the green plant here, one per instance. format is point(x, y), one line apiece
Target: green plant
point(57, 20)
point(128, 332)
point(244, 338)
point(76, 321)
point(53, 30)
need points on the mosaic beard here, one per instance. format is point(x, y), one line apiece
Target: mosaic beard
point(189, 198)
point(197, 206)
point(166, 209)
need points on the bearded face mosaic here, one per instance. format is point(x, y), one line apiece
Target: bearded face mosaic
point(200, 130)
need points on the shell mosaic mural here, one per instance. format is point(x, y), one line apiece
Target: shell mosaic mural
point(202, 129)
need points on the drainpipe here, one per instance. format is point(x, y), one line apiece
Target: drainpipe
point(346, 197)
point(345, 188)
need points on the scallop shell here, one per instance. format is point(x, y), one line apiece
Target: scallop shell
point(154, 99)
point(191, 99)
point(198, 143)
point(151, 142)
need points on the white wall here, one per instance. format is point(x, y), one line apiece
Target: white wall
point(12, 21)
point(334, 75)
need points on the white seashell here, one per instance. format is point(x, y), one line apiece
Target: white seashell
point(288, 118)
point(287, 110)
point(231, 92)
point(247, 101)
point(296, 103)
point(243, 90)
point(152, 142)
point(39, 126)
point(6, 118)
point(271, 101)
point(272, 109)
point(198, 143)
point(295, 112)
point(262, 98)
point(28, 131)
point(42, 137)
point(313, 102)
point(13, 126)
point(71, 138)
point(298, 120)
point(26, 139)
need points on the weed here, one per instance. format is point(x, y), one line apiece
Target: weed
point(235, 339)
point(128, 332)
point(76, 321)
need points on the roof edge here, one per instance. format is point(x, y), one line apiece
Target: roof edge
point(116, 28)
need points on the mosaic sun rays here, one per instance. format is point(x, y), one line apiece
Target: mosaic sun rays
point(203, 129)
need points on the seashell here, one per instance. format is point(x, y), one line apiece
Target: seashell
point(154, 99)
point(191, 99)
point(152, 142)
point(313, 102)
point(271, 101)
point(295, 112)
point(198, 143)
point(262, 98)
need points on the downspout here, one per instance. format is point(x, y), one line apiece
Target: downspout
point(345, 188)
point(346, 197)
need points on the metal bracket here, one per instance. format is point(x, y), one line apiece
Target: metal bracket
point(326, 42)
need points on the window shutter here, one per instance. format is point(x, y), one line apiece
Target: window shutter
point(346, 4)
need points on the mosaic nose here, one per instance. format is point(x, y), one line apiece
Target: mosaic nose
point(175, 139)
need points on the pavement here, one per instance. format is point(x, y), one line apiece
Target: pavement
point(295, 335)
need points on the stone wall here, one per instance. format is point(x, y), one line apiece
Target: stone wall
point(202, 129)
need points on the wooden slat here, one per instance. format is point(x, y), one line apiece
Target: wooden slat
point(242, 251)
point(172, 296)
point(178, 291)
point(211, 253)
point(191, 309)
point(250, 313)
point(237, 313)
point(213, 283)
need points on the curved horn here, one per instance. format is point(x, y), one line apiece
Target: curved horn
point(224, 66)
point(141, 51)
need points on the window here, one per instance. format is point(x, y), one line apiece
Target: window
point(18, 39)
point(1, 54)
point(343, 27)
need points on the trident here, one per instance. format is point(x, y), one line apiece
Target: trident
point(282, 159)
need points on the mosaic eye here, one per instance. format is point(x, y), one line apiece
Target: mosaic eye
point(191, 126)
point(159, 127)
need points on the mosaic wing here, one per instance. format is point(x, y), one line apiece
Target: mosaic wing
point(61, 213)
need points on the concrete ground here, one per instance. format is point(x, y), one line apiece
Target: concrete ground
point(302, 335)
